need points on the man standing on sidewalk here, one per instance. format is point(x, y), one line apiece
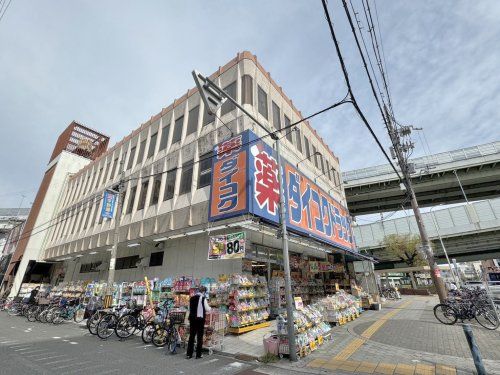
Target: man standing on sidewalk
point(198, 307)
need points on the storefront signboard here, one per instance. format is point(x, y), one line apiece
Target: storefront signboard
point(227, 246)
point(245, 180)
point(108, 204)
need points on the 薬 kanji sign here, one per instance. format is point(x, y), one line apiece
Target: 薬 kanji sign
point(245, 180)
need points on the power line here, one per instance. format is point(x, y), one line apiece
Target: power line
point(269, 134)
point(346, 78)
point(5, 10)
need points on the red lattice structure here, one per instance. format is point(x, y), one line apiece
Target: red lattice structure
point(81, 140)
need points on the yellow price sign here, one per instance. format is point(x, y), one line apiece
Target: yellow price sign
point(320, 340)
point(312, 345)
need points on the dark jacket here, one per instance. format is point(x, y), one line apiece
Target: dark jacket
point(193, 306)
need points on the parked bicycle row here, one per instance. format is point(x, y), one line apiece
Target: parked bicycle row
point(161, 326)
point(468, 304)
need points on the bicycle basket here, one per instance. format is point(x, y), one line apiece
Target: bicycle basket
point(177, 317)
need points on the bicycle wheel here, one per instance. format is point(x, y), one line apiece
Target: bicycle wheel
point(31, 314)
point(58, 316)
point(125, 326)
point(106, 326)
point(147, 333)
point(487, 319)
point(42, 317)
point(445, 314)
point(79, 314)
point(160, 337)
point(14, 310)
point(92, 322)
point(51, 313)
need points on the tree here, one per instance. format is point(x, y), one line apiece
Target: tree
point(405, 248)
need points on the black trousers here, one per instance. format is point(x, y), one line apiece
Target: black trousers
point(196, 327)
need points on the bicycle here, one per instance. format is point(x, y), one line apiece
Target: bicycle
point(467, 304)
point(169, 334)
point(135, 320)
point(155, 323)
point(107, 323)
point(69, 310)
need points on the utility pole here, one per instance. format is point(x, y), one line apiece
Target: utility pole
point(213, 97)
point(108, 301)
point(398, 148)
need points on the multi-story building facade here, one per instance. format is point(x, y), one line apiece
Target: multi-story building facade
point(166, 165)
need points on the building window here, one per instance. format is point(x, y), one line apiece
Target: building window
point(262, 102)
point(298, 139)
point(205, 170)
point(207, 118)
point(288, 131)
point(126, 262)
point(156, 259)
point(152, 145)
point(170, 184)
point(90, 267)
point(155, 195)
point(315, 157)
point(87, 216)
point(306, 146)
point(164, 137)
point(193, 120)
point(131, 199)
point(98, 177)
point(328, 170)
point(186, 178)
point(140, 155)
point(322, 163)
point(131, 157)
point(247, 89)
point(276, 116)
point(144, 192)
point(113, 169)
point(228, 106)
point(178, 130)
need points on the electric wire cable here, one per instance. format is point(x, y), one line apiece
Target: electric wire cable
point(348, 84)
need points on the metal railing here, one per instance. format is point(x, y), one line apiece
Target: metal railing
point(427, 161)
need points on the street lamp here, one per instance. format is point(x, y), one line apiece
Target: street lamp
point(442, 244)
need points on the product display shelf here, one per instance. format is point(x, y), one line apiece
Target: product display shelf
point(310, 331)
point(248, 304)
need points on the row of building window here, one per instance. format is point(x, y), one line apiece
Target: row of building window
point(294, 136)
point(155, 259)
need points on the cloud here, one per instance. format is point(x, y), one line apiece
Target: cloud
point(112, 65)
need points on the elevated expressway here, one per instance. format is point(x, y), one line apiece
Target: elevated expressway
point(469, 232)
point(377, 189)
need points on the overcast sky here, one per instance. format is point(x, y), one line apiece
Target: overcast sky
point(112, 65)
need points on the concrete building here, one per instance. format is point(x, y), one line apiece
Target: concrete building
point(167, 162)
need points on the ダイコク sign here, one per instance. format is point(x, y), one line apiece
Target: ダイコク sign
point(245, 180)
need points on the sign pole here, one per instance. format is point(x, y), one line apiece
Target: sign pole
point(213, 97)
point(108, 300)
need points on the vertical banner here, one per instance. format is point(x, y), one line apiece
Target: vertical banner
point(108, 204)
point(228, 195)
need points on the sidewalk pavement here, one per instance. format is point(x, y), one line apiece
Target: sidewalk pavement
point(403, 338)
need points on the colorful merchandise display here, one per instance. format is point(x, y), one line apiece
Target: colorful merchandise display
point(310, 330)
point(340, 307)
point(248, 303)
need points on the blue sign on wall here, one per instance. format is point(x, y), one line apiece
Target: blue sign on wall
point(108, 204)
point(245, 180)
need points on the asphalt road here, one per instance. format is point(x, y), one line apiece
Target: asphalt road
point(35, 348)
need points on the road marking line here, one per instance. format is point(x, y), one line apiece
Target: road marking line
point(355, 344)
point(55, 356)
point(20, 350)
point(35, 355)
point(19, 346)
point(61, 361)
point(107, 372)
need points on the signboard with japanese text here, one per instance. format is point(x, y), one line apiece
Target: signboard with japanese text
point(108, 204)
point(228, 246)
point(229, 179)
point(245, 180)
